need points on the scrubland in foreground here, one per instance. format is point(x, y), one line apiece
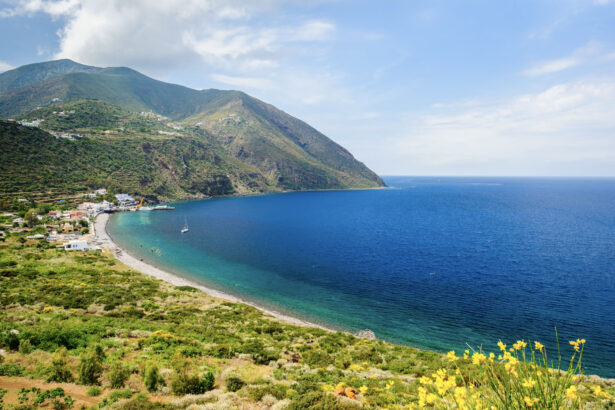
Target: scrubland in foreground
point(82, 330)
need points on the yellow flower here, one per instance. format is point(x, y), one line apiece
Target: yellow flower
point(599, 393)
point(431, 398)
point(491, 356)
point(520, 345)
point(425, 381)
point(571, 393)
point(363, 389)
point(478, 358)
point(502, 346)
point(466, 354)
point(538, 346)
point(451, 356)
point(529, 402)
point(529, 383)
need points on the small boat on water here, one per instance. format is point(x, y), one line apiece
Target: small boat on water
point(185, 228)
point(162, 208)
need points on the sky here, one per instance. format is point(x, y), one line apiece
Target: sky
point(415, 87)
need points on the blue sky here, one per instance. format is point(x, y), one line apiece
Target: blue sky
point(409, 87)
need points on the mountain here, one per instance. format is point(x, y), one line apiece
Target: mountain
point(187, 142)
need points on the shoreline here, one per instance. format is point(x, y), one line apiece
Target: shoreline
point(100, 231)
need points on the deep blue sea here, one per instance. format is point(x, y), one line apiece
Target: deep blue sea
point(436, 263)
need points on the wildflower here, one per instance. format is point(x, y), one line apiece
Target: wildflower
point(538, 346)
point(529, 383)
point(389, 385)
point(520, 345)
point(451, 356)
point(466, 354)
point(491, 357)
point(599, 393)
point(478, 358)
point(425, 381)
point(571, 393)
point(502, 346)
point(363, 389)
point(529, 402)
point(576, 344)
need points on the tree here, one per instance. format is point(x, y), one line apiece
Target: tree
point(151, 377)
point(90, 367)
point(118, 375)
point(31, 217)
point(58, 372)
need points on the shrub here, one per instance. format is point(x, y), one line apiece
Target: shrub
point(221, 352)
point(319, 400)
point(11, 369)
point(57, 371)
point(118, 375)
point(317, 358)
point(183, 383)
point(120, 394)
point(234, 383)
point(94, 391)
point(151, 378)
point(35, 398)
point(90, 368)
point(25, 347)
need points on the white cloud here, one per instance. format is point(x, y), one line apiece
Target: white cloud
point(157, 35)
point(591, 52)
point(553, 66)
point(564, 130)
point(5, 67)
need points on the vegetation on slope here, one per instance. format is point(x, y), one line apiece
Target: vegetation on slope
point(269, 144)
point(158, 166)
point(83, 319)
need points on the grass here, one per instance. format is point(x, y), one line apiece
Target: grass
point(153, 338)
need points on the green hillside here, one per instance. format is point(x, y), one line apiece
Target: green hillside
point(33, 73)
point(197, 143)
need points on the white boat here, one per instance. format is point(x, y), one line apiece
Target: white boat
point(185, 228)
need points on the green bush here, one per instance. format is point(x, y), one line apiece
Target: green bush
point(118, 375)
point(152, 378)
point(183, 383)
point(90, 368)
point(234, 383)
point(94, 391)
point(221, 351)
point(25, 347)
point(257, 393)
point(120, 394)
point(319, 400)
point(37, 398)
point(57, 371)
point(317, 358)
point(11, 369)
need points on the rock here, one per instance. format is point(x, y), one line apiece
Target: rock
point(366, 334)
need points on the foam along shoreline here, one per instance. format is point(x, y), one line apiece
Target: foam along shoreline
point(100, 231)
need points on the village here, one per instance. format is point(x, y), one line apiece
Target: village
point(68, 226)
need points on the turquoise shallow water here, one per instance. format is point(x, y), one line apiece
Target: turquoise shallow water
point(431, 262)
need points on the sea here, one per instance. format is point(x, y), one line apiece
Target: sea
point(436, 263)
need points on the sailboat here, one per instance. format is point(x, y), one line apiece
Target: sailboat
point(185, 228)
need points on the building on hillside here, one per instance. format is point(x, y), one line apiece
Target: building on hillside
point(80, 246)
point(125, 200)
point(101, 191)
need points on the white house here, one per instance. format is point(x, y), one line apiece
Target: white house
point(125, 200)
point(80, 246)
